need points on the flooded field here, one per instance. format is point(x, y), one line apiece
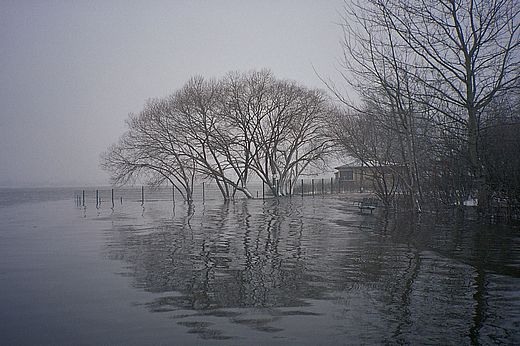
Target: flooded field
point(293, 271)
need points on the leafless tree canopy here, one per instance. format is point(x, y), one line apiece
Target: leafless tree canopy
point(426, 73)
point(230, 130)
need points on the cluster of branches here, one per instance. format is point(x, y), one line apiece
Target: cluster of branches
point(426, 73)
point(229, 130)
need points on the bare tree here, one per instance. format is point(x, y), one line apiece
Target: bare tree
point(203, 131)
point(277, 126)
point(374, 146)
point(151, 148)
point(432, 62)
point(377, 65)
point(286, 131)
point(471, 51)
point(226, 130)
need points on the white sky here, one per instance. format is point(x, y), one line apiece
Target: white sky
point(71, 71)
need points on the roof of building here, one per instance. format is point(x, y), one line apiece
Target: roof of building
point(347, 166)
point(357, 165)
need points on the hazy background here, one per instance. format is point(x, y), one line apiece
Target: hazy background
point(71, 71)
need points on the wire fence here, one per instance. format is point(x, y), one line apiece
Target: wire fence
point(206, 191)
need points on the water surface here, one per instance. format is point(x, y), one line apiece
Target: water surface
point(289, 271)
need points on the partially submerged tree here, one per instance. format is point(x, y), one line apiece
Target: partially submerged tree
point(152, 148)
point(431, 67)
point(375, 147)
point(279, 127)
point(197, 108)
point(229, 130)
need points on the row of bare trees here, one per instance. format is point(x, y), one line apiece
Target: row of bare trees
point(240, 127)
point(431, 77)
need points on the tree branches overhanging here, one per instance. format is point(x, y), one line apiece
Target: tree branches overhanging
point(426, 73)
point(230, 130)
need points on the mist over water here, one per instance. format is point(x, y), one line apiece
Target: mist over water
point(275, 271)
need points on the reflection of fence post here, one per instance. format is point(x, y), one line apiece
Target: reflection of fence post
point(203, 192)
point(331, 185)
point(83, 197)
point(302, 188)
point(290, 188)
point(97, 198)
point(173, 193)
point(112, 198)
point(312, 183)
point(263, 190)
point(322, 187)
point(142, 195)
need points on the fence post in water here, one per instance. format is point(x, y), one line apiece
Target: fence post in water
point(203, 192)
point(97, 198)
point(302, 188)
point(322, 187)
point(112, 198)
point(312, 183)
point(173, 193)
point(121, 200)
point(263, 190)
point(83, 197)
point(331, 186)
point(290, 188)
point(142, 195)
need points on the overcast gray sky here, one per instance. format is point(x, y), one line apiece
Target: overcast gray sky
point(71, 71)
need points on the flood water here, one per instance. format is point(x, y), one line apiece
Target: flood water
point(292, 271)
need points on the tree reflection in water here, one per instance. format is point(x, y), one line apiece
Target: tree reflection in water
point(286, 267)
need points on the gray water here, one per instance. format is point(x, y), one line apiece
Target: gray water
point(296, 271)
